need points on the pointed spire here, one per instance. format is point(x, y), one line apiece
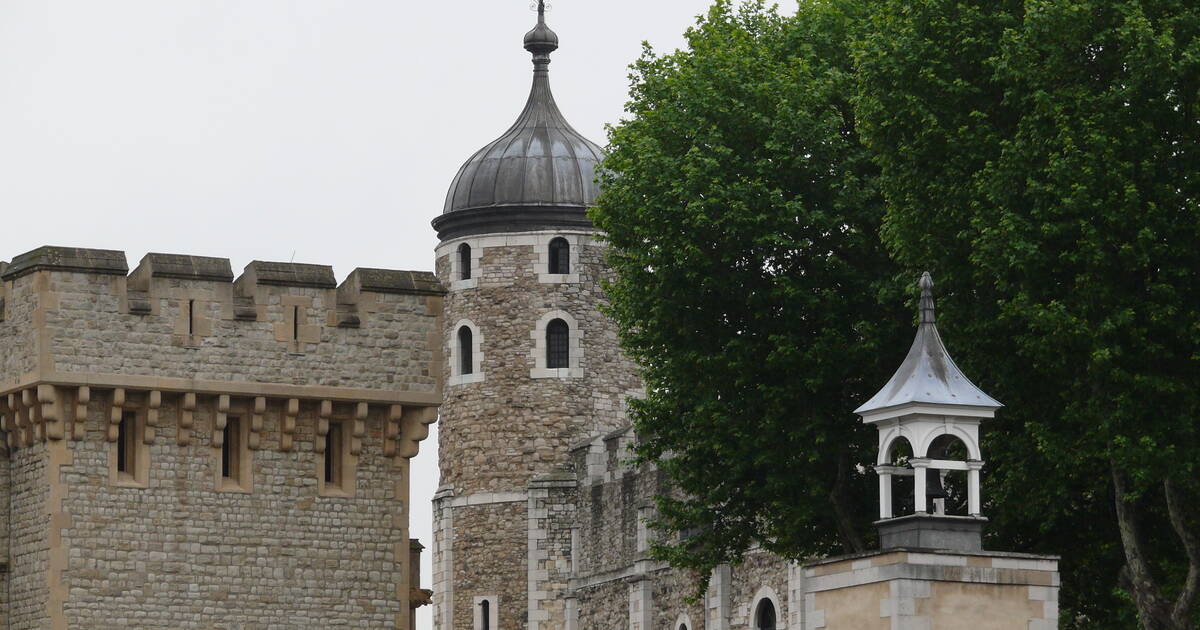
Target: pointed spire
point(927, 314)
point(541, 41)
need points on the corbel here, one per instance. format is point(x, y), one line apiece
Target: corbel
point(115, 414)
point(187, 418)
point(392, 430)
point(415, 428)
point(323, 426)
point(6, 423)
point(51, 412)
point(35, 430)
point(360, 428)
point(220, 422)
point(16, 421)
point(153, 404)
point(288, 430)
point(256, 422)
point(79, 421)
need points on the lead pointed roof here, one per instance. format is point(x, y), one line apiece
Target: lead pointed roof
point(928, 375)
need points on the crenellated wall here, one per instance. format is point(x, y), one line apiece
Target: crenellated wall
point(182, 348)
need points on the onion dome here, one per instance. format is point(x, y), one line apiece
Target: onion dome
point(539, 175)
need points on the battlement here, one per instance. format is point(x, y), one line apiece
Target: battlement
point(72, 314)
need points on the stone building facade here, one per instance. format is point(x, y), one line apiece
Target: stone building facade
point(540, 521)
point(187, 450)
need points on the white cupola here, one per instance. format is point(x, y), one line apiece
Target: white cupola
point(933, 409)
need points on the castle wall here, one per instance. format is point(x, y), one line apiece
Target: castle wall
point(179, 554)
point(29, 539)
point(18, 336)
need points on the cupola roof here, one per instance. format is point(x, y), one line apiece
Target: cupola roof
point(538, 175)
point(928, 375)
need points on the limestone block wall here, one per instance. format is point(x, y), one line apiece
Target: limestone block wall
point(18, 337)
point(179, 554)
point(28, 543)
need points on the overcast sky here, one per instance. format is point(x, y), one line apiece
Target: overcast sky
point(321, 130)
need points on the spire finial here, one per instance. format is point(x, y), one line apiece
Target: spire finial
point(541, 41)
point(927, 314)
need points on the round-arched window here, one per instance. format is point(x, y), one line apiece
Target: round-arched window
point(464, 262)
point(466, 349)
point(558, 348)
point(560, 256)
point(764, 616)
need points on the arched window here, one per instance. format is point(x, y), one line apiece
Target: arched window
point(464, 262)
point(558, 347)
point(560, 256)
point(485, 615)
point(764, 617)
point(466, 347)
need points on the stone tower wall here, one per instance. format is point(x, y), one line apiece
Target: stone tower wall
point(183, 347)
point(504, 516)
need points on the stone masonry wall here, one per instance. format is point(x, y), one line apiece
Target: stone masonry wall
point(496, 435)
point(491, 559)
point(180, 555)
point(28, 542)
point(18, 346)
point(5, 534)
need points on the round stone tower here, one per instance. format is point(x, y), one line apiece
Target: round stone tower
point(532, 366)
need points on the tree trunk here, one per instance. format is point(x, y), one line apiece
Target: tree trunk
point(1154, 611)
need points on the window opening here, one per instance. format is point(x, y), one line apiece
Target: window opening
point(560, 256)
point(191, 317)
point(333, 455)
point(230, 449)
point(464, 262)
point(558, 351)
point(126, 449)
point(295, 323)
point(466, 349)
point(485, 615)
point(765, 618)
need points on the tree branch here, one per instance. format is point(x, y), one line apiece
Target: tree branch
point(1182, 611)
point(1146, 594)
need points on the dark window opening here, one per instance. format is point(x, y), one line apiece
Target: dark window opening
point(485, 615)
point(466, 351)
point(295, 323)
point(191, 317)
point(231, 449)
point(560, 256)
point(333, 455)
point(126, 448)
point(558, 350)
point(764, 619)
point(464, 262)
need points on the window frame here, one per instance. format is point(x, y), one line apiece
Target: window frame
point(539, 355)
point(544, 256)
point(344, 464)
point(454, 356)
point(558, 344)
point(493, 608)
point(241, 458)
point(457, 282)
point(132, 442)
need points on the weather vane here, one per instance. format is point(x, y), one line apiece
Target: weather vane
point(541, 6)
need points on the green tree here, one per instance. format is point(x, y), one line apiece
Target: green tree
point(1042, 157)
point(743, 217)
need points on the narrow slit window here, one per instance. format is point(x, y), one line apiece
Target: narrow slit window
point(333, 455)
point(230, 450)
point(466, 350)
point(558, 350)
point(191, 317)
point(464, 262)
point(485, 615)
point(560, 256)
point(126, 447)
point(295, 323)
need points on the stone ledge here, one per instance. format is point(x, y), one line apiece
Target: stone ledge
point(288, 275)
point(394, 281)
point(183, 267)
point(98, 261)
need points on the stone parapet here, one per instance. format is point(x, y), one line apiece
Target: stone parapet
point(49, 258)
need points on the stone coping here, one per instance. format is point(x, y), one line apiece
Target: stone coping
point(98, 261)
point(1014, 555)
point(211, 269)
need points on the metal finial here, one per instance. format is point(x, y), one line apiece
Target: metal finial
point(927, 314)
point(541, 41)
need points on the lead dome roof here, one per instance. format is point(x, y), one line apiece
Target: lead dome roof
point(540, 174)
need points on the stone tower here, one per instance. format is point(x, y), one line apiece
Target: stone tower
point(532, 366)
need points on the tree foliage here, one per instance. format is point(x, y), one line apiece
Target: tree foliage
point(743, 215)
point(1043, 158)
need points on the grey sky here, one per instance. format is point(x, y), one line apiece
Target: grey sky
point(259, 129)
